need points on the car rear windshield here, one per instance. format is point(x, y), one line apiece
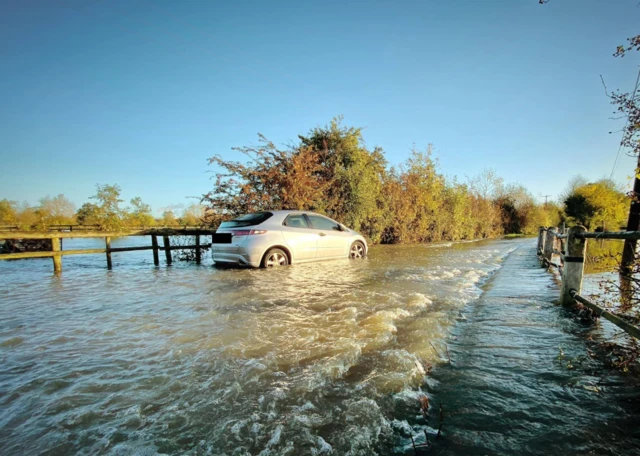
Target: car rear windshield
point(246, 220)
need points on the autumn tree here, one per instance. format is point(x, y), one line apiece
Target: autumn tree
point(106, 212)
point(193, 215)
point(271, 179)
point(597, 205)
point(88, 214)
point(168, 219)
point(331, 171)
point(485, 188)
point(55, 211)
point(8, 212)
point(351, 176)
point(414, 193)
point(139, 213)
point(456, 219)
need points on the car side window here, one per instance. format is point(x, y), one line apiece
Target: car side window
point(321, 223)
point(296, 221)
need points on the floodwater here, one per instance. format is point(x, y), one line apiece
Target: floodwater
point(318, 359)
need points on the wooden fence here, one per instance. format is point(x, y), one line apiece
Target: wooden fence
point(56, 253)
point(565, 251)
point(77, 227)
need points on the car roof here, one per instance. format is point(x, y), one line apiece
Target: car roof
point(292, 211)
point(282, 214)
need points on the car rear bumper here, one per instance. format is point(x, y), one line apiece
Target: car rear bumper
point(239, 258)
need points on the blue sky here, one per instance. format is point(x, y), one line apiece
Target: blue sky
point(142, 93)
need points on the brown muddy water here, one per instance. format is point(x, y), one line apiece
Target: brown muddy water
point(318, 359)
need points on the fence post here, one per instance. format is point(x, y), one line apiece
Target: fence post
point(107, 243)
point(542, 233)
point(573, 265)
point(154, 244)
point(548, 244)
point(557, 247)
point(167, 249)
point(57, 257)
point(198, 254)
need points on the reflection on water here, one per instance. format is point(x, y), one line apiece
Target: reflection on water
point(324, 358)
point(602, 255)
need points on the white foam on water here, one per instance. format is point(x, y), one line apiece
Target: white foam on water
point(274, 440)
point(418, 301)
point(402, 427)
point(271, 362)
point(439, 245)
point(323, 447)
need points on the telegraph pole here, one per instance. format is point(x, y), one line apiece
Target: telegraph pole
point(545, 198)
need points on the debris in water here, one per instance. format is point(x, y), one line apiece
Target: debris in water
point(593, 388)
point(424, 408)
point(424, 405)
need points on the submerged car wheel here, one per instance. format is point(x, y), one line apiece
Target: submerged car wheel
point(275, 257)
point(357, 250)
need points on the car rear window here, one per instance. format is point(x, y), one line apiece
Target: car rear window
point(246, 220)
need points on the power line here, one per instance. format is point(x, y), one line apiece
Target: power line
point(633, 94)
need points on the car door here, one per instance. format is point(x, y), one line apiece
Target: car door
point(332, 241)
point(301, 239)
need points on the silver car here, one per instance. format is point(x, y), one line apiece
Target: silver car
point(278, 238)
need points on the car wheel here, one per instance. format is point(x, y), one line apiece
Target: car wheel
point(356, 251)
point(275, 257)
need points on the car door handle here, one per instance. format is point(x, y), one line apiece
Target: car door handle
point(322, 234)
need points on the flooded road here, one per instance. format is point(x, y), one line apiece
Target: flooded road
point(325, 358)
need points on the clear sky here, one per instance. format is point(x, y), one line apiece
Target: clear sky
point(142, 93)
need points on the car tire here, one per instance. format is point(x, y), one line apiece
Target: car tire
point(357, 251)
point(274, 258)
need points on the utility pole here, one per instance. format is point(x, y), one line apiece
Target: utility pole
point(545, 199)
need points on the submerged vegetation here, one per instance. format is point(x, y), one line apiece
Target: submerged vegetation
point(331, 170)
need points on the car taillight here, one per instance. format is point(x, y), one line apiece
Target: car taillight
point(247, 232)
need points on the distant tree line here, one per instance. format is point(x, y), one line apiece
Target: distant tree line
point(330, 170)
point(105, 210)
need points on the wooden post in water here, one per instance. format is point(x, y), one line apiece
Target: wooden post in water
point(198, 254)
point(573, 265)
point(542, 234)
point(633, 224)
point(107, 243)
point(154, 244)
point(167, 249)
point(548, 244)
point(57, 258)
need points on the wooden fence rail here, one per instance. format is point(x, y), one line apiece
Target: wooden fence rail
point(631, 235)
point(565, 250)
point(73, 227)
point(57, 252)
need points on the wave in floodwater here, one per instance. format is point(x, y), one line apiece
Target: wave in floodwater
point(325, 358)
